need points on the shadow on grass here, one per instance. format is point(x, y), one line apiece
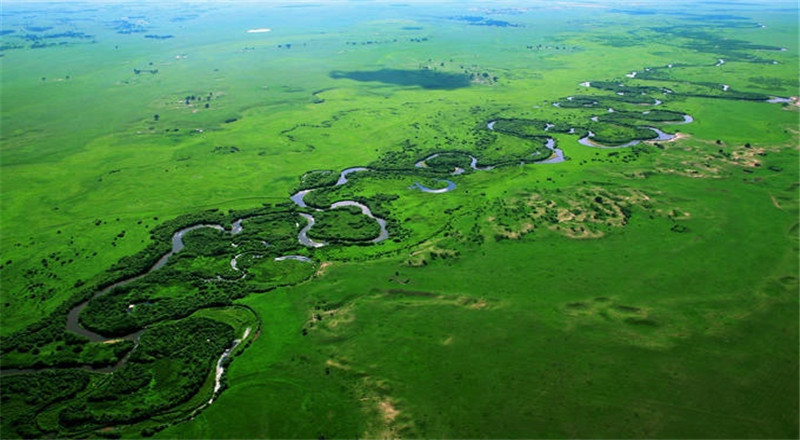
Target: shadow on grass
point(427, 79)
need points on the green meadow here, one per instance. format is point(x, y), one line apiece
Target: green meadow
point(574, 219)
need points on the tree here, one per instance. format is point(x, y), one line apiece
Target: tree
point(156, 117)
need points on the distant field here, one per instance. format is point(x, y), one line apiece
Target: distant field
point(571, 220)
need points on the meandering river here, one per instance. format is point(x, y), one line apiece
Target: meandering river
point(73, 321)
point(298, 197)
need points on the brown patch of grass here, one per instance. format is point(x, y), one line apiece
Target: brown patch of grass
point(775, 202)
point(329, 320)
point(389, 411)
point(579, 213)
point(388, 420)
point(338, 364)
point(322, 268)
point(430, 251)
point(477, 304)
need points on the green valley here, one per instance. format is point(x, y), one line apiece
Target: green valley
point(350, 219)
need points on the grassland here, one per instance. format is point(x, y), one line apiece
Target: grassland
point(644, 291)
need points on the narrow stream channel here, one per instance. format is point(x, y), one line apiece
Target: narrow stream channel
point(73, 317)
point(220, 369)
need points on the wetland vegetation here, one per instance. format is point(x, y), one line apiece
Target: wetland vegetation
point(449, 220)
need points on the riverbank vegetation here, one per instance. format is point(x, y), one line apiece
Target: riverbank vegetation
point(344, 224)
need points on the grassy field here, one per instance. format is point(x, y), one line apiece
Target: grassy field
point(645, 291)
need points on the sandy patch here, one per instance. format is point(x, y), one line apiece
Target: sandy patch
point(322, 267)
point(388, 411)
point(578, 232)
point(387, 420)
point(515, 234)
point(678, 136)
point(565, 215)
point(336, 364)
point(680, 215)
point(480, 304)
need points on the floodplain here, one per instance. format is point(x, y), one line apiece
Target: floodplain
point(352, 219)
